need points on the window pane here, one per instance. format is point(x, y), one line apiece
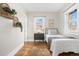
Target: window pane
point(39, 23)
point(73, 21)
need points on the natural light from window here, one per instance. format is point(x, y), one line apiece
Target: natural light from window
point(39, 24)
point(71, 20)
point(72, 24)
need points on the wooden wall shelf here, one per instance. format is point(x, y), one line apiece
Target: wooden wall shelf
point(7, 15)
point(10, 14)
point(5, 11)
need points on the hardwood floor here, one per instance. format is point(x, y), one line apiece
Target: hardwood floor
point(34, 49)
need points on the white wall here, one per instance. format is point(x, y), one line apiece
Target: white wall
point(11, 38)
point(30, 29)
point(61, 18)
point(62, 22)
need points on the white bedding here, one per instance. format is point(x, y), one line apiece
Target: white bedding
point(47, 36)
point(64, 45)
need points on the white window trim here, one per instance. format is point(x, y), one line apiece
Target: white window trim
point(66, 31)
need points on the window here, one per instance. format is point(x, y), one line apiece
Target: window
point(72, 21)
point(39, 24)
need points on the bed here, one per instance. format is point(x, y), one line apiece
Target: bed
point(49, 39)
point(64, 45)
point(51, 33)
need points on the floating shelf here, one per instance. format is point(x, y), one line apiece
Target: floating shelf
point(7, 15)
point(10, 14)
point(5, 11)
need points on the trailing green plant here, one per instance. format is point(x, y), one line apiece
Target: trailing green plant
point(7, 9)
point(19, 24)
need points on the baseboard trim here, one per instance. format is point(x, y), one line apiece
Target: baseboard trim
point(16, 50)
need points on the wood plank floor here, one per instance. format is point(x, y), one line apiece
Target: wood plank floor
point(34, 49)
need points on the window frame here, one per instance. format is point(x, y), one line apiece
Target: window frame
point(70, 21)
point(66, 17)
point(43, 24)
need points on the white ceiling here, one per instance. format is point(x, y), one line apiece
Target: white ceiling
point(44, 7)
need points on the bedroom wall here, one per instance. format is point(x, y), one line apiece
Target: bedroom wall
point(30, 29)
point(11, 38)
point(62, 24)
point(61, 18)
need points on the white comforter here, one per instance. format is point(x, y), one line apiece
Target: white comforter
point(47, 36)
point(64, 45)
